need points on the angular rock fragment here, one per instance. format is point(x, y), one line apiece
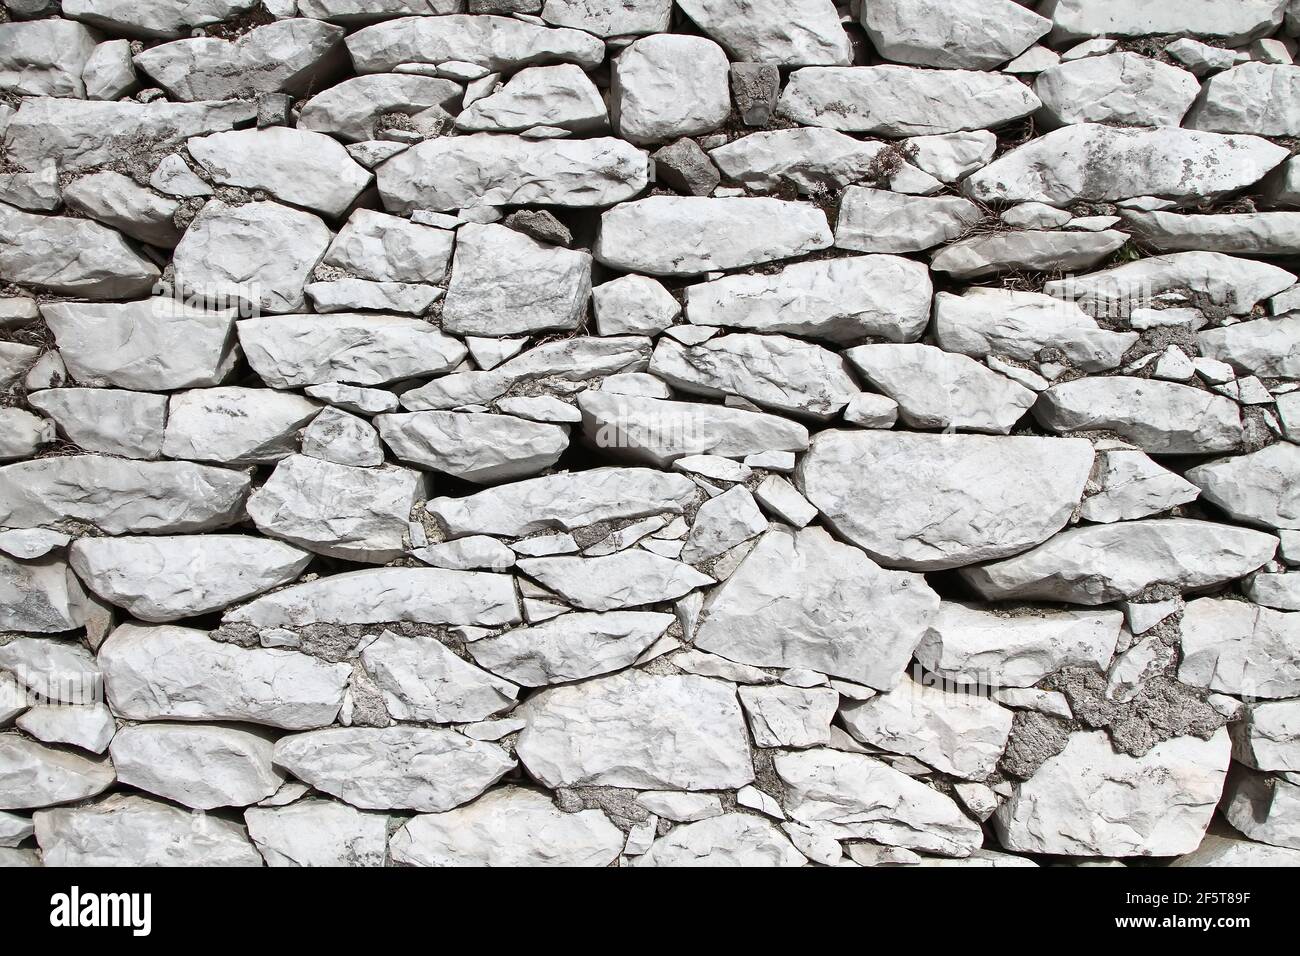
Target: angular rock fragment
point(163, 672)
point(1158, 804)
point(1122, 88)
point(561, 97)
point(1233, 647)
point(161, 18)
point(398, 768)
point(966, 34)
point(383, 248)
point(117, 201)
point(1220, 849)
point(610, 18)
point(355, 109)
point(878, 220)
point(1257, 98)
point(421, 680)
point(480, 448)
point(627, 579)
point(61, 672)
point(1268, 738)
point(496, 43)
point(722, 523)
point(797, 33)
point(634, 712)
point(1248, 234)
point(793, 717)
point(1103, 563)
point(812, 159)
point(1266, 347)
point(166, 578)
point(40, 776)
point(903, 101)
point(943, 501)
point(647, 83)
point(732, 839)
point(1131, 486)
point(44, 57)
point(1031, 250)
point(198, 766)
point(234, 425)
point(73, 257)
point(1259, 488)
point(1264, 807)
point(1235, 21)
point(40, 596)
point(318, 833)
point(570, 648)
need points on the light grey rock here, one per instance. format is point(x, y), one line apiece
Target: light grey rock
point(111, 421)
point(722, 523)
point(1159, 804)
point(627, 579)
point(1258, 98)
point(119, 496)
point(73, 257)
point(166, 578)
point(1122, 88)
point(878, 220)
point(161, 18)
point(842, 300)
point(40, 596)
point(59, 671)
point(952, 156)
point(202, 767)
point(1026, 251)
point(563, 502)
point(969, 644)
point(364, 11)
point(610, 18)
point(729, 840)
point(903, 101)
point(573, 647)
point(1095, 163)
point(296, 166)
point(28, 543)
point(680, 806)
point(793, 717)
point(14, 829)
point(1268, 736)
point(1222, 849)
point(126, 830)
point(1163, 418)
point(1258, 489)
point(397, 768)
point(353, 398)
point(317, 832)
point(798, 33)
point(260, 253)
point(353, 110)
point(422, 680)
point(496, 43)
point(164, 672)
point(1003, 322)
point(498, 170)
point(562, 97)
point(796, 601)
point(962, 734)
point(481, 448)
point(943, 501)
point(117, 201)
point(44, 57)
point(1264, 347)
point(85, 135)
point(235, 425)
point(633, 305)
point(109, 73)
point(688, 235)
point(38, 776)
point(505, 283)
point(351, 295)
point(936, 389)
point(773, 371)
point(856, 796)
point(1233, 647)
point(1231, 283)
point(295, 350)
point(289, 56)
point(1278, 591)
point(635, 712)
point(1249, 234)
point(359, 514)
point(154, 344)
point(343, 439)
point(1103, 563)
point(173, 177)
point(810, 158)
point(1131, 485)
point(1264, 807)
point(966, 34)
point(669, 85)
point(1236, 22)
point(660, 432)
point(467, 554)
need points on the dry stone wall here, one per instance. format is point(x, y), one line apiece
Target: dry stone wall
point(634, 432)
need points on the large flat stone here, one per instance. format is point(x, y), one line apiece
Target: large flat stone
point(498, 43)
point(73, 257)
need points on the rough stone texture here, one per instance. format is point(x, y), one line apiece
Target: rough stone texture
point(966, 34)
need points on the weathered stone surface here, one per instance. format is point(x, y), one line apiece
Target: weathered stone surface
point(648, 80)
point(635, 712)
point(1266, 347)
point(563, 502)
point(633, 305)
point(722, 523)
point(155, 344)
point(936, 389)
point(397, 768)
point(72, 257)
point(1232, 647)
point(318, 833)
point(810, 158)
point(198, 766)
point(1222, 849)
point(118, 496)
point(785, 374)
point(688, 235)
point(497, 43)
point(1259, 488)
point(1103, 563)
point(1094, 163)
point(234, 425)
point(841, 300)
point(128, 830)
point(38, 776)
point(117, 201)
point(364, 11)
point(387, 595)
point(1264, 807)
point(1122, 88)
point(729, 840)
point(163, 672)
point(1131, 485)
point(59, 671)
point(966, 34)
point(40, 596)
point(353, 110)
point(481, 448)
point(260, 253)
point(571, 647)
point(1163, 418)
point(784, 32)
point(1268, 738)
point(422, 680)
point(1258, 98)
point(878, 220)
point(383, 248)
point(943, 501)
point(970, 644)
point(360, 514)
point(167, 578)
point(508, 826)
point(610, 18)
point(790, 716)
point(500, 170)
point(160, 18)
point(903, 101)
point(1158, 804)
point(297, 166)
point(1003, 322)
point(627, 579)
point(1031, 250)
point(288, 56)
point(796, 600)
point(1249, 234)
point(1236, 21)
point(856, 796)
point(561, 97)
point(956, 733)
